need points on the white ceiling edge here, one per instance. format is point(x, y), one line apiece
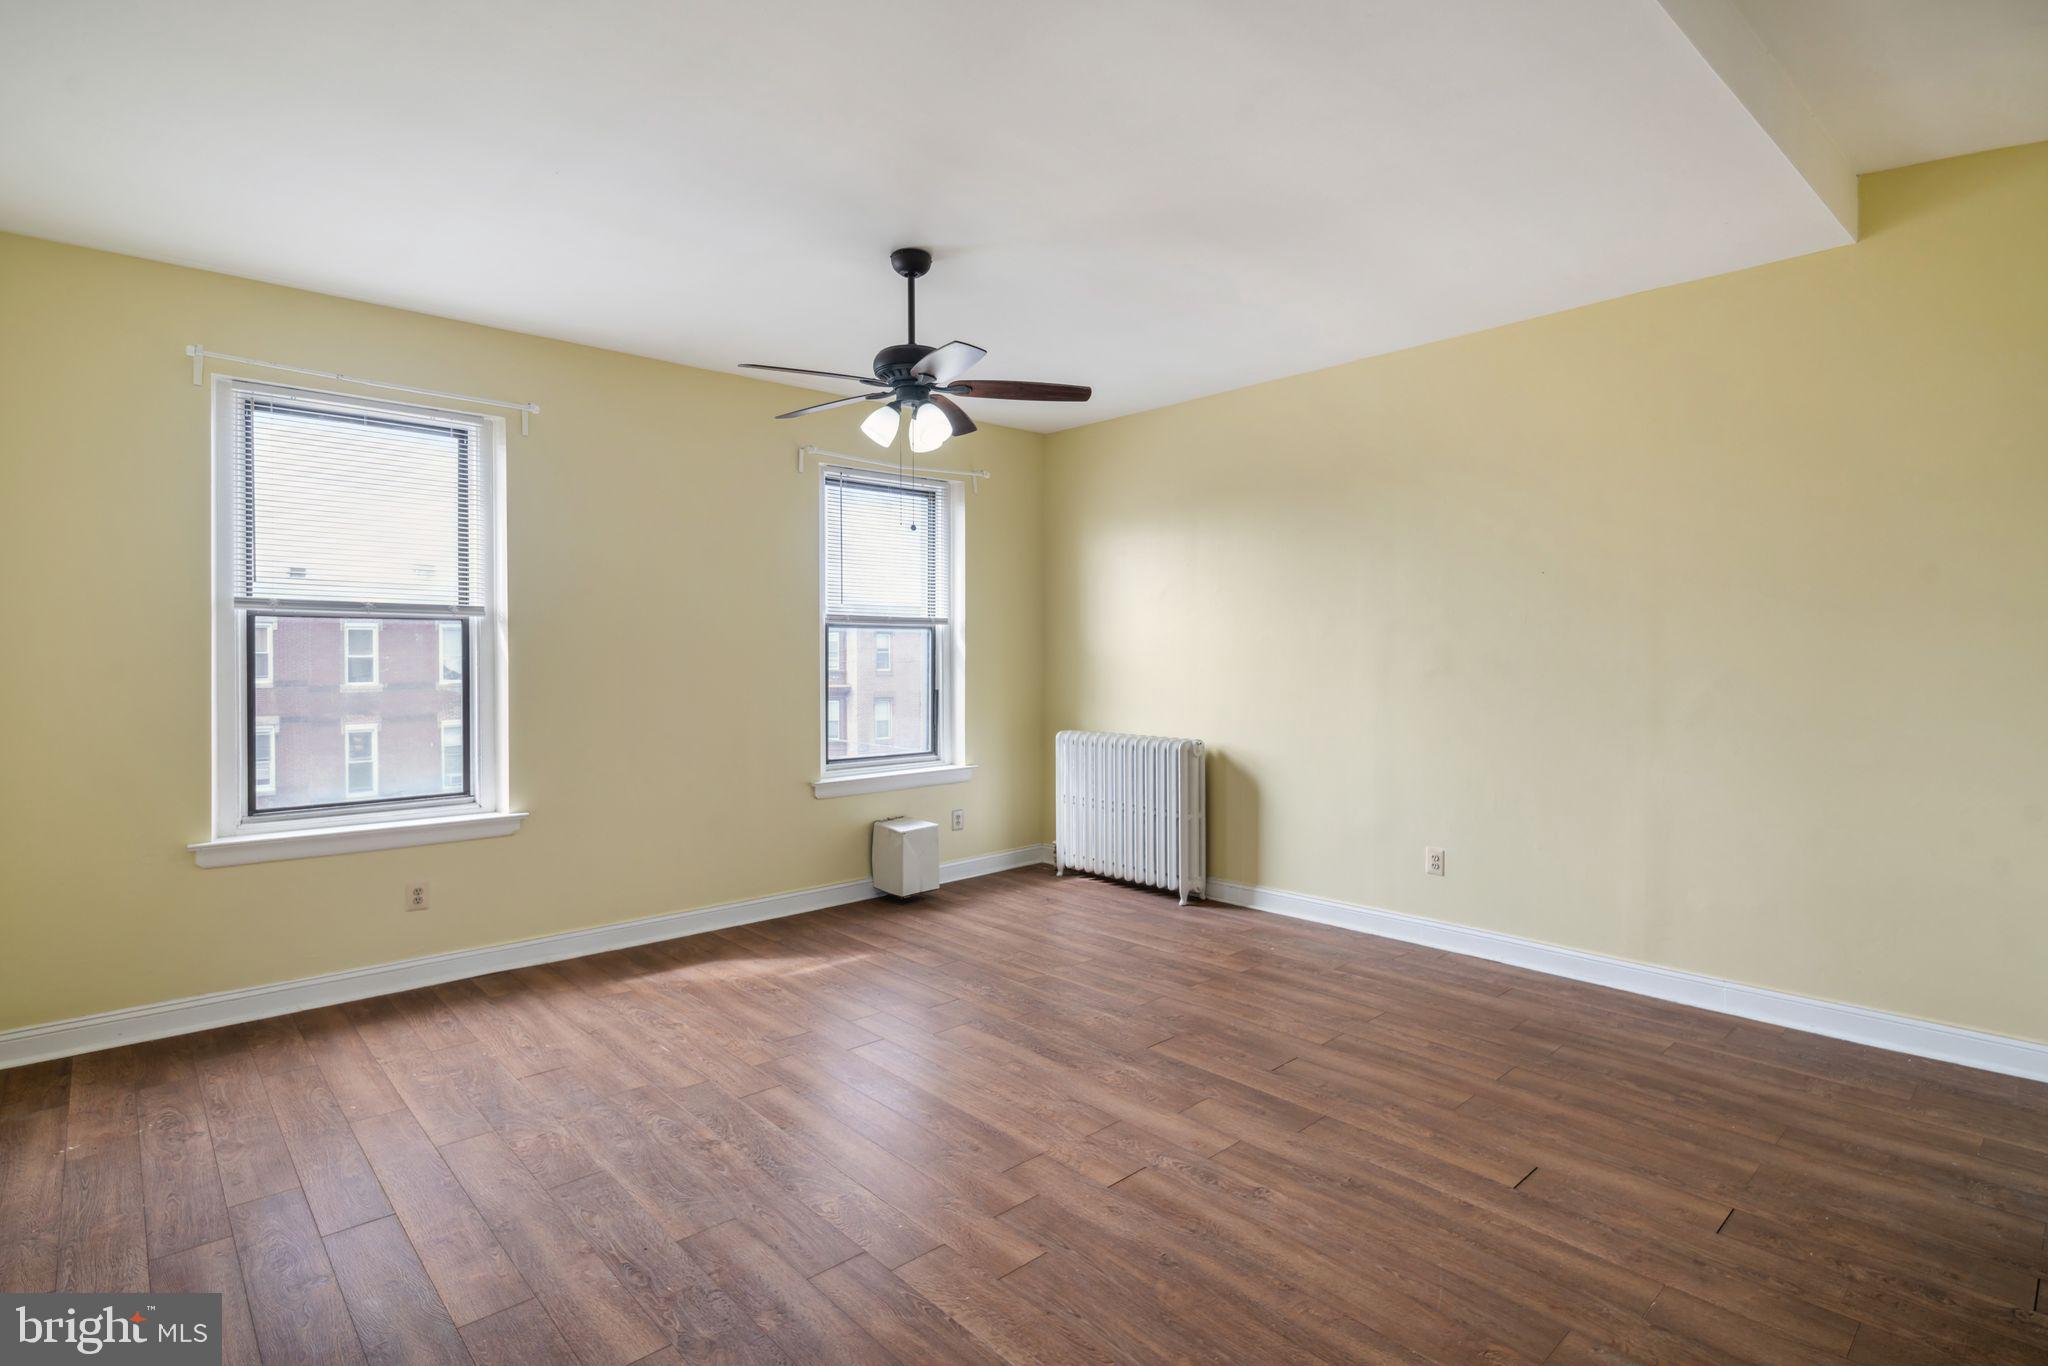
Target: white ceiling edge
point(1724, 38)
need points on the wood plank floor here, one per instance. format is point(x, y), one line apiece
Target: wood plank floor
point(1038, 1120)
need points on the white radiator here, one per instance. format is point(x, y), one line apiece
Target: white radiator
point(1132, 807)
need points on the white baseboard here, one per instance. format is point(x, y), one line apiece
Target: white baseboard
point(89, 1033)
point(1857, 1024)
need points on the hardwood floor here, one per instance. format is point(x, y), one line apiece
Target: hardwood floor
point(1031, 1120)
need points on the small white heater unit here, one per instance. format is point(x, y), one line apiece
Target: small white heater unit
point(1133, 807)
point(906, 856)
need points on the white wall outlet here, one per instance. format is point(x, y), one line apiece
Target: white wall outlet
point(415, 896)
point(959, 818)
point(1433, 862)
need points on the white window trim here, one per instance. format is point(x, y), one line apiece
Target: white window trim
point(891, 779)
point(272, 845)
point(885, 654)
point(375, 680)
point(239, 838)
point(351, 729)
point(838, 703)
point(882, 713)
point(886, 773)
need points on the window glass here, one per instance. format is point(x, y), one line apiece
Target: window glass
point(339, 742)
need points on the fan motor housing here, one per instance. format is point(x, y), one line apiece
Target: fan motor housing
point(892, 363)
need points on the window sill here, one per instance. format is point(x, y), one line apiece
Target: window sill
point(269, 847)
point(891, 779)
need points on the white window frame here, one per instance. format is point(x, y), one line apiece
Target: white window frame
point(885, 652)
point(462, 775)
point(835, 719)
point(240, 837)
point(376, 630)
point(348, 761)
point(882, 719)
point(888, 772)
point(266, 676)
point(267, 726)
point(448, 629)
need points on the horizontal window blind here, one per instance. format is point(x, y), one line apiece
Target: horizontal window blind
point(886, 548)
point(350, 507)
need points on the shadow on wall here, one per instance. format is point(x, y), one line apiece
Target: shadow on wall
point(1233, 820)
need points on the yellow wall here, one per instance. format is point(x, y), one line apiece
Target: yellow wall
point(663, 597)
point(1706, 627)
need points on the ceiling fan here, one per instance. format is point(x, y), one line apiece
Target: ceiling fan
point(921, 382)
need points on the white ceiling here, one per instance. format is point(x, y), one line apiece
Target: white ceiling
point(1897, 82)
point(1162, 198)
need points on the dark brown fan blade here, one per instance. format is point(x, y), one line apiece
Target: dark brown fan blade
point(822, 374)
point(835, 403)
point(1017, 388)
point(949, 362)
point(955, 414)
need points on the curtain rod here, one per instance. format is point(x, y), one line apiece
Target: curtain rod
point(200, 355)
point(894, 467)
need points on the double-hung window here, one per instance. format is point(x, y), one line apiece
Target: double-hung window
point(452, 651)
point(359, 543)
point(263, 759)
point(359, 653)
point(454, 770)
point(260, 651)
point(890, 559)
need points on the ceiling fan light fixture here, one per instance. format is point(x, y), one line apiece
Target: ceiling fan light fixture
point(921, 382)
point(929, 429)
point(880, 425)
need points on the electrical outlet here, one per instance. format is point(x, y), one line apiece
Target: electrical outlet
point(416, 896)
point(1433, 862)
point(959, 818)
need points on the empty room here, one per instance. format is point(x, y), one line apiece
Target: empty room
point(1171, 681)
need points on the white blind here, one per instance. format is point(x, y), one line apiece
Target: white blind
point(887, 547)
point(340, 505)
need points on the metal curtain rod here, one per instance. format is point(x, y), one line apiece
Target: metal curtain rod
point(200, 355)
point(836, 458)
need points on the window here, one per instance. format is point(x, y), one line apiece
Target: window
point(452, 654)
point(359, 759)
point(359, 654)
point(260, 652)
point(264, 757)
point(454, 777)
point(360, 542)
point(889, 569)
